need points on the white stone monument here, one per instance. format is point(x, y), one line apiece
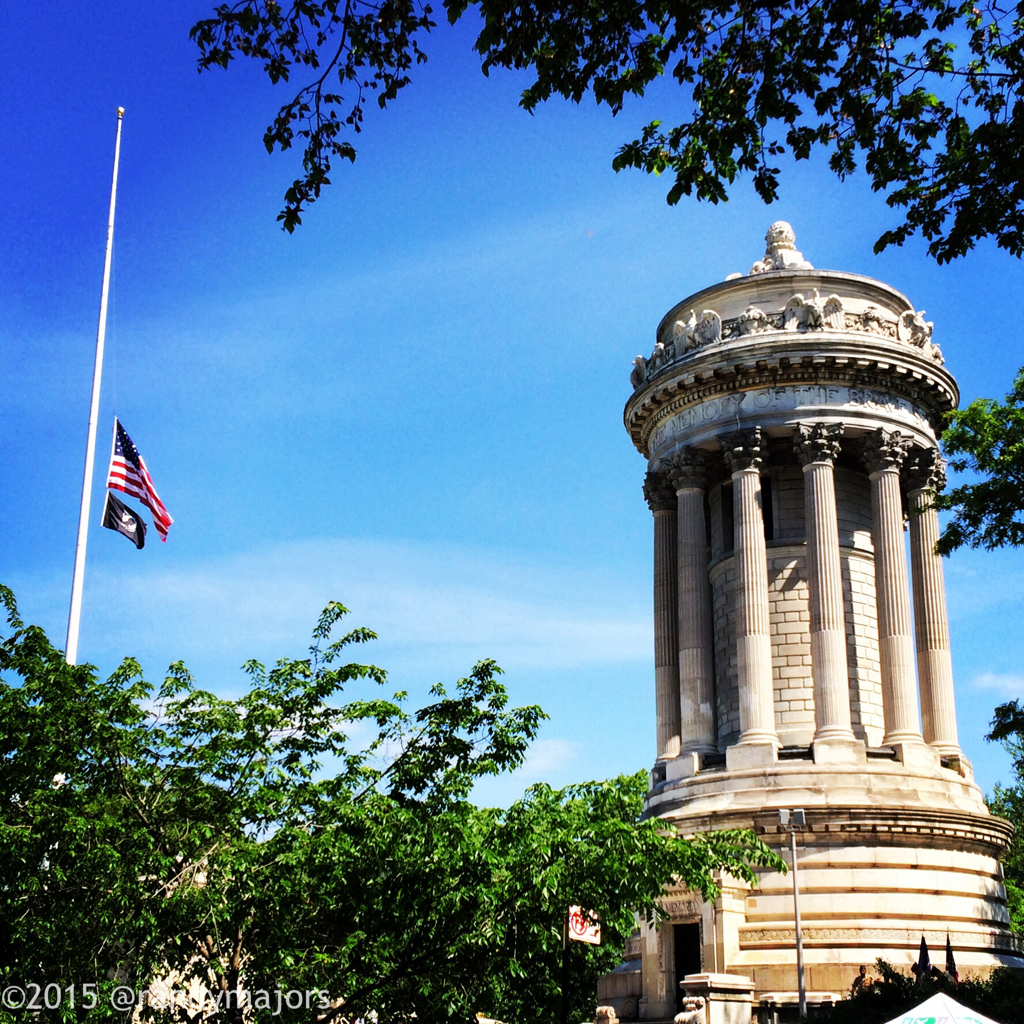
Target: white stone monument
point(789, 419)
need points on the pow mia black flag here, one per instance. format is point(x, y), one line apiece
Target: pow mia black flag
point(118, 516)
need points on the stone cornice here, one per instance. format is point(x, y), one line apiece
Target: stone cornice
point(869, 826)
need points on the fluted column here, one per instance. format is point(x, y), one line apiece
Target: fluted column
point(744, 454)
point(884, 455)
point(687, 470)
point(661, 497)
point(817, 447)
point(926, 475)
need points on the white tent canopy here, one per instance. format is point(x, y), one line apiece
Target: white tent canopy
point(940, 1009)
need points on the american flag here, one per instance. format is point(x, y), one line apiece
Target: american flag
point(128, 473)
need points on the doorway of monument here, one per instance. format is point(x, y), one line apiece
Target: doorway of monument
point(686, 938)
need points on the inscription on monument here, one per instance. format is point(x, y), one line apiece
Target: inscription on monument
point(786, 399)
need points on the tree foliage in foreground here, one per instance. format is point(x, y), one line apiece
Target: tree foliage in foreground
point(986, 439)
point(999, 996)
point(253, 844)
point(925, 94)
point(1007, 727)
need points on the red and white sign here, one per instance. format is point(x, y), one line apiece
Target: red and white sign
point(584, 926)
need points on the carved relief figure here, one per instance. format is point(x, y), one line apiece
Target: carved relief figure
point(658, 358)
point(914, 329)
point(835, 318)
point(804, 314)
point(709, 330)
point(872, 320)
point(683, 333)
point(753, 321)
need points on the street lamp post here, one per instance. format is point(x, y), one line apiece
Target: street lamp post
point(791, 821)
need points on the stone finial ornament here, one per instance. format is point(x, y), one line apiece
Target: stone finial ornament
point(605, 1015)
point(781, 252)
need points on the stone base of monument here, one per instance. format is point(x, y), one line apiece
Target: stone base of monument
point(849, 752)
point(750, 755)
point(784, 1007)
point(621, 990)
point(728, 998)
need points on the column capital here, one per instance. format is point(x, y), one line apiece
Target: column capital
point(817, 442)
point(744, 450)
point(659, 493)
point(925, 470)
point(885, 449)
point(687, 468)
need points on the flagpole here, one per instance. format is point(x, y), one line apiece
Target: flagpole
point(78, 581)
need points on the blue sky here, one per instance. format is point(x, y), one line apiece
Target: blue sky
point(413, 405)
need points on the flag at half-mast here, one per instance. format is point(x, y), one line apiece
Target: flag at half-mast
point(128, 473)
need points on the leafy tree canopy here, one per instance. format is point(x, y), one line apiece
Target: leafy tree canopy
point(250, 844)
point(1008, 802)
point(925, 94)
point(892, 994)
point(986, 439)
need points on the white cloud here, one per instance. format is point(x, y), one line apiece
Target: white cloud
point(1008, 685)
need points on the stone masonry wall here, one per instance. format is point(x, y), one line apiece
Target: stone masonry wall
point(790, 612)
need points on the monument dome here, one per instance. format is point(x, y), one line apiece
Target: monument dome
point(789, 418)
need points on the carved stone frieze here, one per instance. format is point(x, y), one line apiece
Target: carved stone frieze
point(818, 442)
point(677, 909)
point(925, 470)
point(858, 935)
point(744, 450)
point(885, 450)
point(659, 493)
point(687, 467)
point(801, 315)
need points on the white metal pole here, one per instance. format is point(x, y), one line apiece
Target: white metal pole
point(75, 614)
point(799, 933)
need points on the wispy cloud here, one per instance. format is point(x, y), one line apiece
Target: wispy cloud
point(436, 604)
point(1008, 685)
point(555, 761)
